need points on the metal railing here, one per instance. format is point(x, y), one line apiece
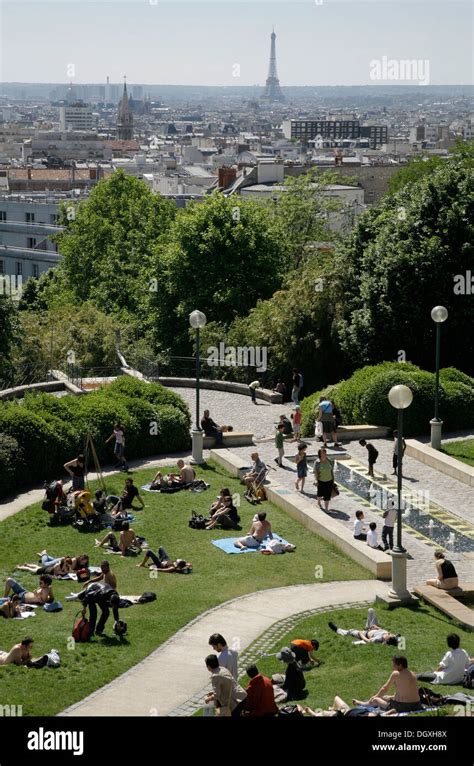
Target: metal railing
point(185, 367)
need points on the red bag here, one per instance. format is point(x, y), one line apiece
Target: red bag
point(81, 629)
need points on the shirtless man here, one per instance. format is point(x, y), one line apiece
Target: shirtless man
point(20, 654)
point(106, 575)
point(40, 596)
point(186, 476)
point(372, 634)
point(407, 696)
point(126, 540)
point(261, 528)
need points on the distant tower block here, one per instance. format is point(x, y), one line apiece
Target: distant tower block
point(125, 117)
point(272, 86)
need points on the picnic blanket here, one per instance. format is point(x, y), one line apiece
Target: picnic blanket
point(226, 544)
point(195, 486)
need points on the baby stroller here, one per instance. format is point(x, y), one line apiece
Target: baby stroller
point(256, 492)
point(55, 503)
point(86, 517)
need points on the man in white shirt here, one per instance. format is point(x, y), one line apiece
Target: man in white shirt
point(228, 658)
point(451, 668)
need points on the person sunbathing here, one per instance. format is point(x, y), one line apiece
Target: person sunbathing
point(40, 596)
point(19, 654)
point(10, 608)
point(186, 476)
point(372, 633)
point(126, 542)
point(407, 695)
point(164, 563)
point(261, 528)
point(57, 568)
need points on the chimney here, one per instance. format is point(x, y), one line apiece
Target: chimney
point(226, 176)
point(28, 171)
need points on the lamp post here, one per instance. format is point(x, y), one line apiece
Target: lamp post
point(439, 315)
point(197, 320)
point(400, 397)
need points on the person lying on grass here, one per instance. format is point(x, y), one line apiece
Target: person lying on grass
point(19, 654)
point(164, 563)
point(40, 596)
point(57, 568)
point(186, 476)
point(372, 633)
point(407, 694)
point(10, 608)
point(126, 543)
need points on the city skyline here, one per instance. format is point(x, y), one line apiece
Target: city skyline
point(227, 43)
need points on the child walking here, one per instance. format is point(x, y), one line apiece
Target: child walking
point(372, 455)
point(279, 441)
point(301, 467)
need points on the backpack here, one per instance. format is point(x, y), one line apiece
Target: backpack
point(146, 597)
point(197, 521)
point(81, 630)
point(468, 678)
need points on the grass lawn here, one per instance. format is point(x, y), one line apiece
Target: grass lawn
point(216, 578)
point(360, 670)
point(462, 450)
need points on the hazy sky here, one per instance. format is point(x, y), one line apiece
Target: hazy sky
point(199, 43)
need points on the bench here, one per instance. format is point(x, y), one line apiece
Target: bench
point(447, 602)
point(230, 439)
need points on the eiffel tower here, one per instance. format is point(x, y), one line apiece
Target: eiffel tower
point(272, 86)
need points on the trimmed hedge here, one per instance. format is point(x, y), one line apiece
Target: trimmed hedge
point(363, 398)
point(41, 432)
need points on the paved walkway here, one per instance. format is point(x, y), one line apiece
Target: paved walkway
point(175, 672)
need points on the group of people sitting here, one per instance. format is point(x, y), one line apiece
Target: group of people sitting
point(259, 699)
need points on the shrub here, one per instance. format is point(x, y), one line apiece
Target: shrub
point(363, 398)
point(11, 463)
point(451, 374)
point(42, 432)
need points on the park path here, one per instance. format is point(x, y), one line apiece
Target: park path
point(175, 672)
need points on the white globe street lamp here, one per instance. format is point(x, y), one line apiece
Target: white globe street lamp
point(439, 315)
point(197, 320)
point(400, 397)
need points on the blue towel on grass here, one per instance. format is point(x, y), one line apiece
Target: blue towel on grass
point(226, 544)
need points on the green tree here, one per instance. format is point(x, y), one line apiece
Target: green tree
point(417, 168)
point(107, 246)
point(403, 258)
point(221, 256)
point(302, 211)
point(47, 336)
point(8, 329)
